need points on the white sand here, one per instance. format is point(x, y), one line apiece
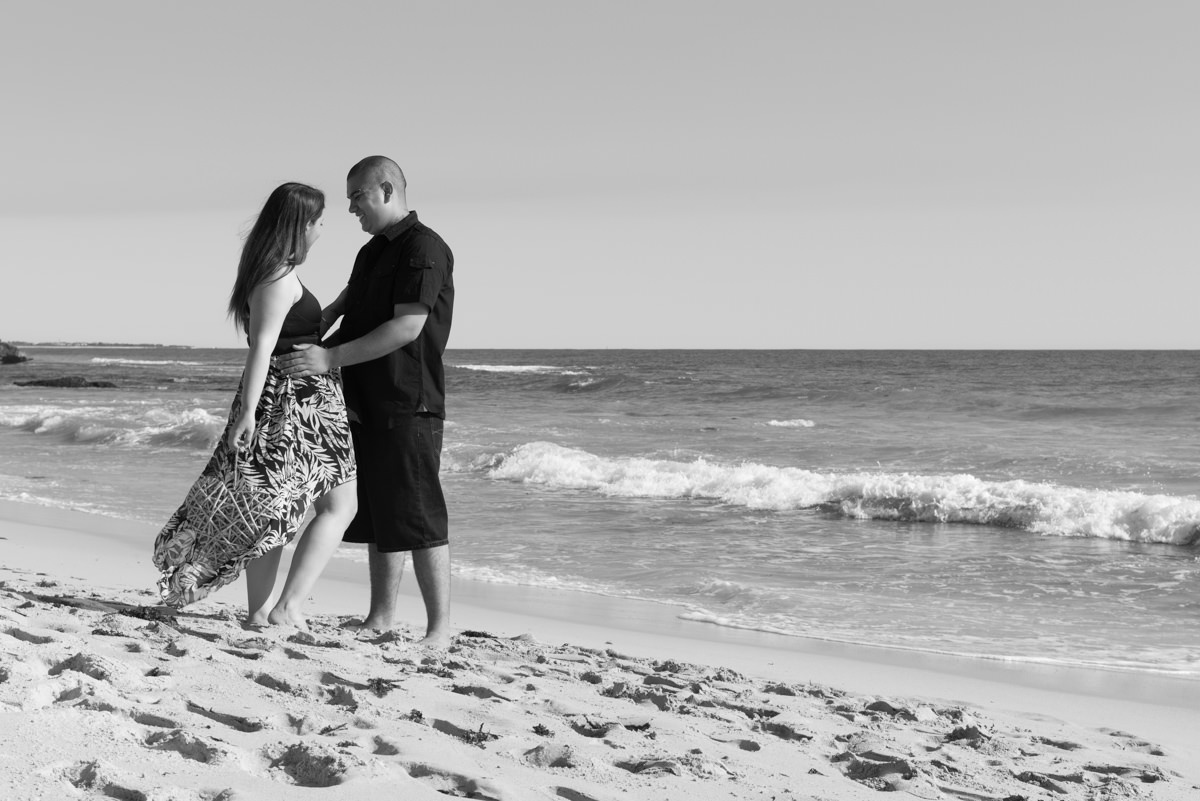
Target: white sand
point(543, 695)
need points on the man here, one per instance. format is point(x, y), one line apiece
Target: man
point(396, 312)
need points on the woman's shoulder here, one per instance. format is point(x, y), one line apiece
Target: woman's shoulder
point(283, 284)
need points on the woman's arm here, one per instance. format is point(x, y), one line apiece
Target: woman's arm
point(269, 305)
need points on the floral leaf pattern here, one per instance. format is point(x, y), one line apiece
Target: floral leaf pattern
point(246, 504)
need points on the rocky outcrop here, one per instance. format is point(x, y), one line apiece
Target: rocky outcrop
point(70, 381)
point(10, 354)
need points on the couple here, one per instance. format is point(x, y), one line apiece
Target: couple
point(367, 465)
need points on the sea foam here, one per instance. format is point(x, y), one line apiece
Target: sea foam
point(147, 362)
point(126, 426)
point(1041, 508)
point(518, 368)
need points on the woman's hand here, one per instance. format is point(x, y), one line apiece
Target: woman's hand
point(242, 432)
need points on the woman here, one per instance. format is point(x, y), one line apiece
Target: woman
point(286, 446)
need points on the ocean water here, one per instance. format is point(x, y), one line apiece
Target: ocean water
point(1024, 506)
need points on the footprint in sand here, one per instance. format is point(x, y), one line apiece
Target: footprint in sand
point(651, 767)
point(780, 689)
point(1062, 745)
point(752, 712)
point(573, 795)
point(482, 693)
point(745, 745)
point(253, 644)
point(33, 637)
point(786, 726)
point(207, 636)
point(882, 765)
point(310, 724)
point(452, 783)
point(97, 697)
point(237, 722)
point(272, 683)
point(665, 681)
point(153, 720)
point(478, 738)
point(248, 655)
point(187, 745)
point(1146, 775)
point(309, 764)
point(384, 747)
point(103, 778)
point(119, 625)
point(98, 667)
point(667, 702)
point(333, 679)
point(891, 710)
point(552, 756)
point(588, 728)
point(1134, 743)
point(306, 638)
point(340, 695)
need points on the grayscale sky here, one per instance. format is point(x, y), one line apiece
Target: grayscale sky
point(838, 174)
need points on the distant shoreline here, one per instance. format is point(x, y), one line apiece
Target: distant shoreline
point(96, 345)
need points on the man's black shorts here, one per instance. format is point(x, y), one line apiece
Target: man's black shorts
point(400, 501)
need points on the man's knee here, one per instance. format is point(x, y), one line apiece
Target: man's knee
point(437, 556)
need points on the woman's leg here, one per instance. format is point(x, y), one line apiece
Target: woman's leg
point(334, 511)
point(260, 583)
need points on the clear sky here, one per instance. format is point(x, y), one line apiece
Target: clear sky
point(838, 174)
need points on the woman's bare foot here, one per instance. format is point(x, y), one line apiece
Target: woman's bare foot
point(256, 621)
point(281, 616)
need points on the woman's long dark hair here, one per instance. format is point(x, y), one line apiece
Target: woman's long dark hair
point(277, 240)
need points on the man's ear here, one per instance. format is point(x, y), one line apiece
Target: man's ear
point(387, 190)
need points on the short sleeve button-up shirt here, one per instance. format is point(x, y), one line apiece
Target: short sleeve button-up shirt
point(407, 263)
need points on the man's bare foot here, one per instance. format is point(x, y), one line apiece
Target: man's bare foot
point(257, 621)
point(362, 630)
point(435, 639)
point(376, 624)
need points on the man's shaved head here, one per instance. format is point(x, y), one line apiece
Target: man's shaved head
point(377, 170)
point(375, 188)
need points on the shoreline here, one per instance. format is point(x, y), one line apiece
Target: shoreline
point(649, 628)
point(342, 589)
point(543, 694)
point(344, 578)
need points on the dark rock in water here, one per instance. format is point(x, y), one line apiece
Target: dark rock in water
point(71, 381)
point(10, 354)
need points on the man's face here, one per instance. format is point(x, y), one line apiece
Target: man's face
point(367, 202)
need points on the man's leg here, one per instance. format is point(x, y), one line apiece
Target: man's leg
point(385, 571)
point(432, 566)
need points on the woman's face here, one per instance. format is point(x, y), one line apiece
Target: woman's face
point(313, 231)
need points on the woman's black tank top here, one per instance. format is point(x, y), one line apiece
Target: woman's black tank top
point(302, 326)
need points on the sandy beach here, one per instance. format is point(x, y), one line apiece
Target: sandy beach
point(542, 694)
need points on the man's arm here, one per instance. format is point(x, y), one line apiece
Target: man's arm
point(407, 321)
point(333, 311)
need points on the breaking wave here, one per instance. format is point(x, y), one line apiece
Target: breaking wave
point(1040, 508)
